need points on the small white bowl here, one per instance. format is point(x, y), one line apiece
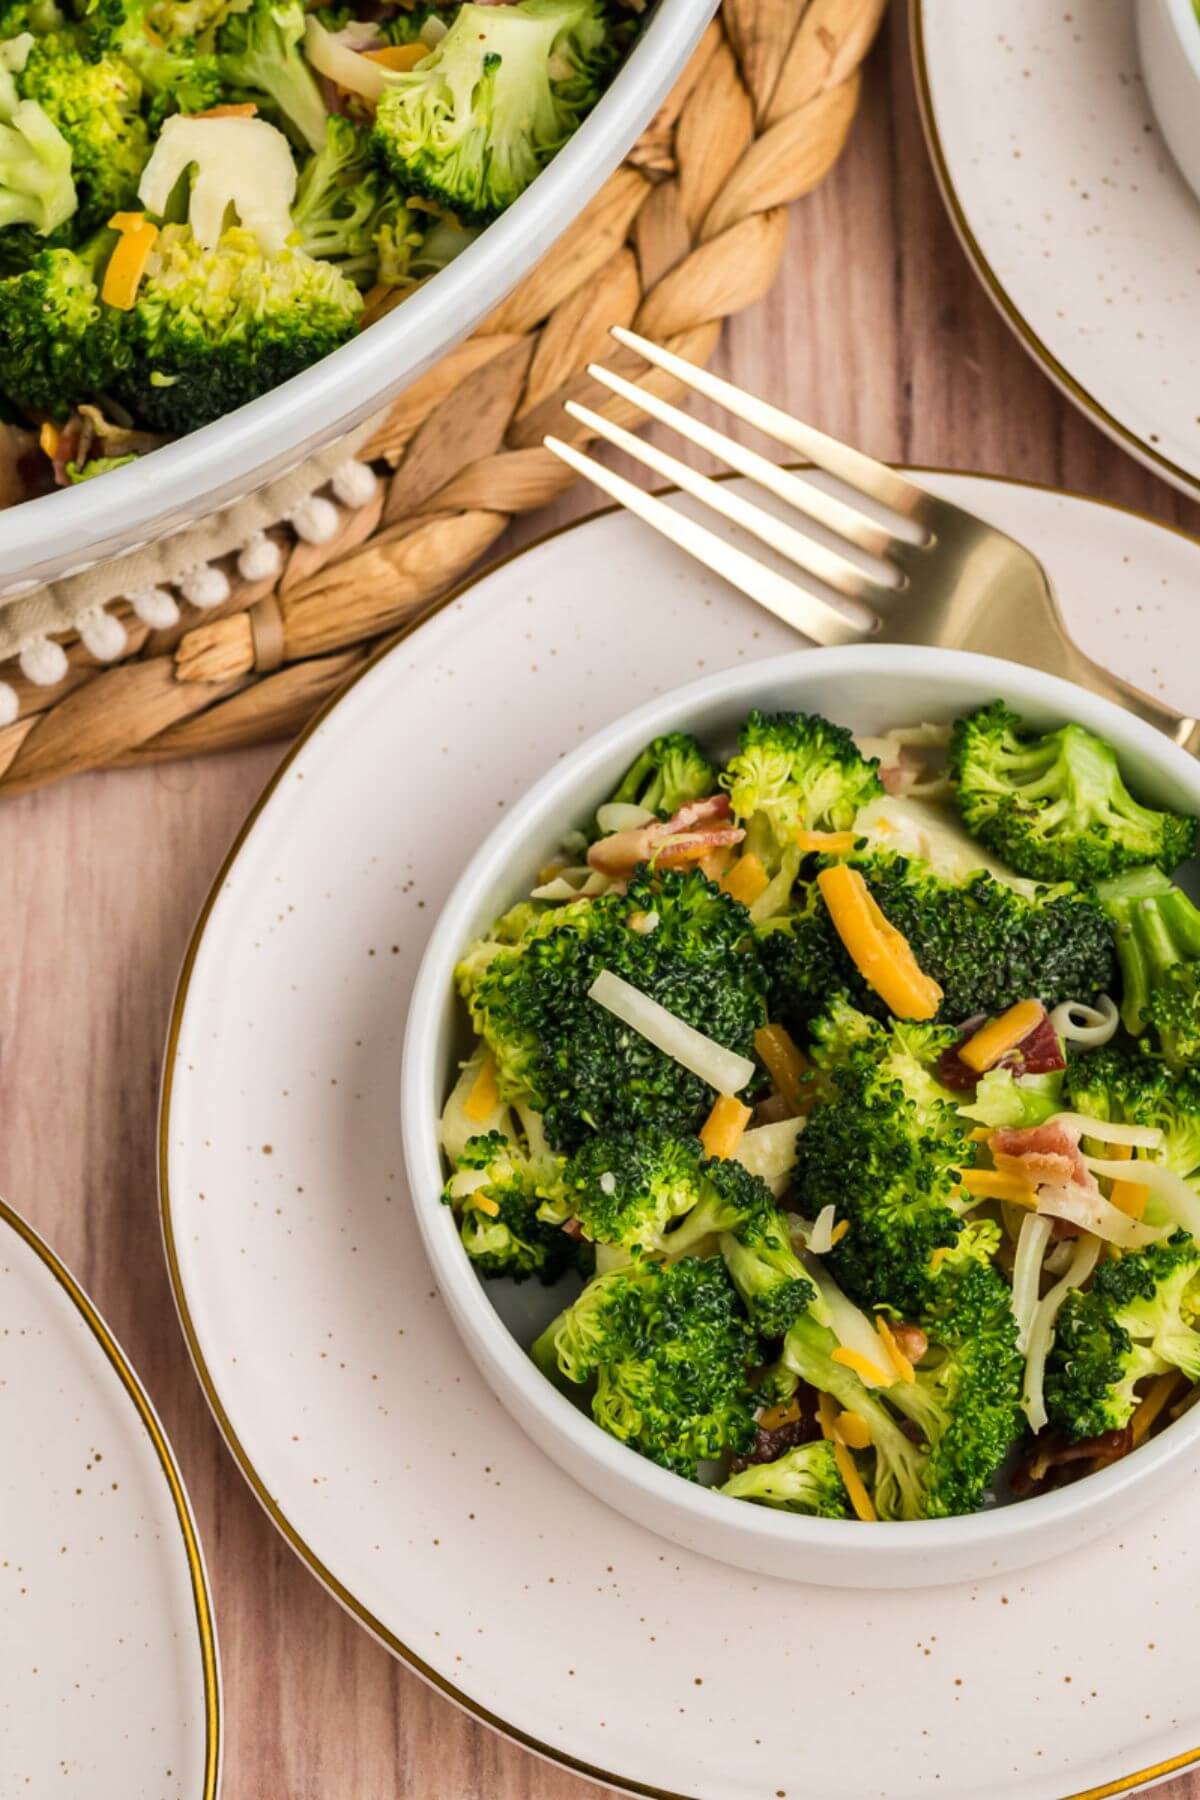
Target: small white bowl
point(867, 687)
point(1169, 45)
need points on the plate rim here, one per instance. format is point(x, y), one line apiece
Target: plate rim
point(132, 1384)
point(356, 1608)
point(1128, 439)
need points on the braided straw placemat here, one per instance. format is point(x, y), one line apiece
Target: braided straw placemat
point(687, 232)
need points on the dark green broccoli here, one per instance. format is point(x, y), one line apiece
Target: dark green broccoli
point(156, 38)
point(94, 101)
point(1138, 1319)
point(986, 945)
point(20, 16)
point(669, 772)
point(670, 1350)
point(887, 1150)
point(1158, 947)
point(57, 343)
point(524, 1236)
point(212, 329)
point(343, 204)
point(570, 1057)
point(37, 189)
point(738, 1211)
point(260, 54)
point(626, 1191)
point(966, 1397)
point(476, 120)
point(1132, 1088)
point(793, 772)
point(1053, 804)
point(804, 1480)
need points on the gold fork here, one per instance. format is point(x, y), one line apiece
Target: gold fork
point(951, 580)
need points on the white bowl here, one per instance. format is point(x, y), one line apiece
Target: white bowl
point(1169, 46)
point(72, 529)
point(868, 688)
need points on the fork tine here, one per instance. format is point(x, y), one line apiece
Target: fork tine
point(847, 521)
point(849, 465)
point(788, 600)
point(827, 565)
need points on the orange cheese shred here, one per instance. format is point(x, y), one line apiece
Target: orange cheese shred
point(853, 1431)
point(1129, 1197)
point(48, 440)
point(785, 1064)
point(863, 1367)
point(772, 1417)
point(839, 1231)
point(833, 843)
point(999, 1036)
point(484, 1096)
point(882, 955)
point(398, 56)
point(127, 264)
point(485, 1204)
point(827, 1417)
point(860, 1500)
point(896, 1356)
point(723, 1128)
point(993, 1184)
point(747, 879)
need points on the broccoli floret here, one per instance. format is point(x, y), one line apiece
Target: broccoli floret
point(343, 205)
point(793, 772)
point(887, 1150)
point(985, 945)
point(668, 774)
point(523, 1236)
point(626, 1191)
point(478, 118)
point(966, 1397)
point(94, 102)
point(1132, 1088)
point(670, 1349)
point(1137, 1319)
point(805, 1480)
point(37, 16)
point(260, 53)
point(156, 38)
point(1053, 804)
point(37, 188)
point(56, 344)
point(1158, 947)
point(574, 1060)
point(212, 329)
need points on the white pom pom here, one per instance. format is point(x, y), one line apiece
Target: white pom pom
point(205, 586)
point(315, 519)
point(102, 635)
point(354, 483)
point(260, 559)
point(155, 607)
point(43, 662)
point(10, 706)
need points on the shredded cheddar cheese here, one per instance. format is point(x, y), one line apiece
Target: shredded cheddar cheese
point(882, 955)
point(772, 1417)
point(484, 1096)
point(485, 1204)
point(863, 1367)
point(48, 440)
point(401, 57)
point(747, 879)
point(853, 1431)
point(839, 1231)
point(127, 264)
point(992, 1184)
point(785, 1064)
point(860, 1500)
point(999, 1036)
point(834, 843)
point(723, 1128)
point(1129, 1197)
point(896, 1356)
point(827, 1417)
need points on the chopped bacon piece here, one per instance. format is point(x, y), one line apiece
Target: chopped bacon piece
point(688, 835)
point(1038, 1053)
point(1051, 1452)
point(899, 776)
point(1042, 1153)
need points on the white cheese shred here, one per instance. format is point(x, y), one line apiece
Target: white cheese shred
point(723, 1070)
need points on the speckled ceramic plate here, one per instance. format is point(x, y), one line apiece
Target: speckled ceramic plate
point(1066, 199)
point(109, 1686)
point(332, 1368)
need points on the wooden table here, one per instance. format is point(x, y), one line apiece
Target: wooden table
point(878, 331)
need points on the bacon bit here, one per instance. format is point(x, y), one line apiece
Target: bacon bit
point(1052, 1453)
point(1039, 1053)
point(899, 776)
point(1042, 1153)
point(694, 831)
point(574, 1229)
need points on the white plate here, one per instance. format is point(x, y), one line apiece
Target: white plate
point(337, 1378)
point(1067, 201)
point(109, 1683)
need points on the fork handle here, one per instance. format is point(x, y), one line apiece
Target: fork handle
point(1077, 667)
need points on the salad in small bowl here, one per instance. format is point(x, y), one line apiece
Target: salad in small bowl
point(844, 1087)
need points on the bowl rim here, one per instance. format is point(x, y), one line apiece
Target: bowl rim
point(175, 486)
point(1184, 22)
point(470, 1305)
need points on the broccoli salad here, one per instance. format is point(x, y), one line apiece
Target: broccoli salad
point(849, 1091)
point(201, 198)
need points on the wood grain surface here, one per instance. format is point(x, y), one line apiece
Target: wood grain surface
point(876, 331)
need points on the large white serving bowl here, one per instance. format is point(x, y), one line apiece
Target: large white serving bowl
point(1169, 45)
point(868, 687)
point(62, 533)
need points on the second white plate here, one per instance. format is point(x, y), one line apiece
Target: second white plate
point(329, 1361)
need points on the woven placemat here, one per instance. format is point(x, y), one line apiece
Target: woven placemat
point(211, 651)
